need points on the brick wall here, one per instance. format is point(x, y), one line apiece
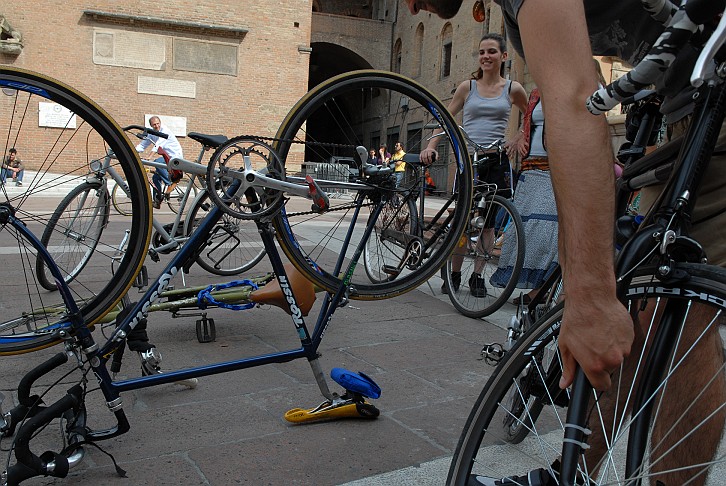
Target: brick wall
point(271, 76)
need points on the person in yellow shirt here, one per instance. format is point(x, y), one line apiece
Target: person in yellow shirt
point(399, 167)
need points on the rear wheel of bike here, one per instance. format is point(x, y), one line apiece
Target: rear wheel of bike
point(176, 195)
point(73, 232)
point(319, 137)
point(516, 425)
point(382, 251)
point(494, 253)
point(234, 245)
point(56, 162)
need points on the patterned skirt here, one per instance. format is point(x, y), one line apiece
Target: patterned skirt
point(535, 201)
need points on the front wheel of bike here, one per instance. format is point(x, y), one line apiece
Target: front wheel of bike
point(322, 137)
point(489, 258)
point(73, 232)
point(672, 434)
point(72, 140)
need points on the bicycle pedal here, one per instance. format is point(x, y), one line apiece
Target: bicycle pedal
point(206, 331)
point(493, 353)
point(331, 411)
point(391, 270)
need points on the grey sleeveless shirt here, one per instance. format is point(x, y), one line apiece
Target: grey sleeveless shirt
point(486, 119)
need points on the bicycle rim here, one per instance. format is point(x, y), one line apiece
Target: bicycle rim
point(121, 201)
point(73, 232)
point(686, 423)
point(495, 254)
point(357, 109)
point(234, 245)
point(74, 134)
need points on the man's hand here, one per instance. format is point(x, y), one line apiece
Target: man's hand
point(428, 156)
point(597, 333)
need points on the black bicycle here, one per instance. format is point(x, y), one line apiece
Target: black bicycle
point(649, 429)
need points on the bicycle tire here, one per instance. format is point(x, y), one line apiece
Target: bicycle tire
point(217, 256)
point(85, 135)
point(483, 442)
point(507, 228)
point(328, 124)
point(120, 200)
point(176, 195)
point(73, 232)
point(382, 251)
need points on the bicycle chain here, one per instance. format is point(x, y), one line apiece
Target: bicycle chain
point(337, 208)
point(302, 142)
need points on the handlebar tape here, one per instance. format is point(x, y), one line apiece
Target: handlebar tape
point(677, 33)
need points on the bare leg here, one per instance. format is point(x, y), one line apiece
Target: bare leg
point(685, 403)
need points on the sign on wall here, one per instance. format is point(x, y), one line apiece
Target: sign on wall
point(55, 116)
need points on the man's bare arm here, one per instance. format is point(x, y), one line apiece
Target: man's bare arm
point(596, 331)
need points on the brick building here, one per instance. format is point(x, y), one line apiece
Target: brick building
point(237, 67)
point(213, 67)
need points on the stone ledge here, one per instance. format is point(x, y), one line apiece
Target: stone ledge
point(167, 24)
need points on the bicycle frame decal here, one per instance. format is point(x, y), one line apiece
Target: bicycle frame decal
point(163, 284)
point(294, 309)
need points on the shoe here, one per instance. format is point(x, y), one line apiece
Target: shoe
point(455, 282)
point(157, 204)
point(538, 477)
point(18, 183)
point(477, 286)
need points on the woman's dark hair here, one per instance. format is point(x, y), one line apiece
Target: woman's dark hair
point(502, 47)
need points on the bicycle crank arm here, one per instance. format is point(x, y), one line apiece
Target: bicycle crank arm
point(188, 166)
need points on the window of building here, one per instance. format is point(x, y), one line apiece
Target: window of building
point(375, 140)
point(418, 50)
point(392, 137)
point(396, 67)
point(413, 137)
point(446, 50)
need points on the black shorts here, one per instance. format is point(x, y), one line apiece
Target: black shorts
point(493, 169)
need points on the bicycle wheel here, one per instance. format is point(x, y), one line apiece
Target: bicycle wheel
point(688, 401)
point(176, 196)
point(120, 200)
point(324, 129)
point(233, 246)
point(73, 135)
point(73, 232)
point(383, 251)
point(481, 251)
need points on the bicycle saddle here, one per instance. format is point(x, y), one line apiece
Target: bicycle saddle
point(213, 141)
point(301, 288)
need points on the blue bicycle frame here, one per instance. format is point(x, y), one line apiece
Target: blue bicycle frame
point(98, 357)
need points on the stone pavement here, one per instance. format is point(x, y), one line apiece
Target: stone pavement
point(230, 429)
